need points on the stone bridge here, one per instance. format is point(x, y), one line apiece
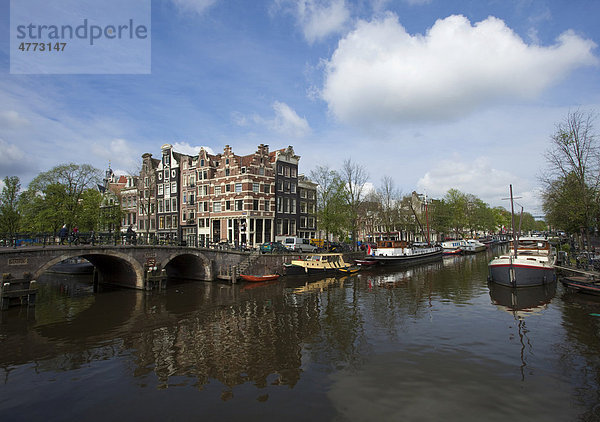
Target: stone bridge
point(124, 265)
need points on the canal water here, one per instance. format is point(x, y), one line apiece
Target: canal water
point(432, 342)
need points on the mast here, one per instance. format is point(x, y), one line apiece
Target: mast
point(512, 214)
point(427, 219)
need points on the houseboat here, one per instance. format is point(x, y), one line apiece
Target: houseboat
point(317, 264)
point(399, 252)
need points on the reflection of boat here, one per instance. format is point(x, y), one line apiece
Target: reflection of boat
point(531, 264)
point(522, 302)
point(349, 270)
point(255, 278)
point(317, 264)
point(398, 252)
point(317, 285)
point(72, 266)
point(581, 284)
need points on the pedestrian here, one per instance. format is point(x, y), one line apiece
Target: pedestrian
point(92, 237)
point(62, 234)
point(130, 233)
point(76, 235)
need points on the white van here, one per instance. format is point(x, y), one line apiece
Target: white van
point(297, 244)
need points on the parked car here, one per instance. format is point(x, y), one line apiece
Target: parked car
point(272, 247)
point(298, 244)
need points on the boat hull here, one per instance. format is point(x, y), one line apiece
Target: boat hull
point(254, 278)
point(409, 259)
point(521, 275)
point(300, 270)
point(582, 285)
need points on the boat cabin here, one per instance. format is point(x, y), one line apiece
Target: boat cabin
point(393, 244)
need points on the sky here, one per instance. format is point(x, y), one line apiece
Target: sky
point(436, 94)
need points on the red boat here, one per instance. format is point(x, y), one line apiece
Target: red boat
point(255, 278)
point(366, 262)
point(582, 284)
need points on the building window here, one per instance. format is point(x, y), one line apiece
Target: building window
point(311, 223)
point(261, 171)
point(216, 206)
point(161, 189)
point(167, 205)
point(161, 222)
point(217, 190)
point(226, 172)
point(243, 170)
point(255, 187)
point(267, 205)
point(267, 188)
point(280, 169)
point(294, 174)
point(302, 207)
point(227, 205)
point(293, 187)
point(293, 206)
point(174, 204)
point(286, 205)
point(287, 171)
point(255, 205)
point(279, 227)
point(184, 198)
point(202, 163)
point(174, 187)
point(160, 206)
point(167, 190)
point(302, 222)
point(239, 205)
point(279, 204)
point(173, 174)
point(228, 188)
point(238, 187)
point(292, 227)
point(280, 185)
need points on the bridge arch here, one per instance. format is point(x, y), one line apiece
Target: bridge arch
point(190, 264)
point(114, 267)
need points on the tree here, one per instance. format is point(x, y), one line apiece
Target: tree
point(388, 196)
point(331, 213)
point(59, 192)
point(354, 176)
point(9, 205)
point(574, 165)
point(457, 204)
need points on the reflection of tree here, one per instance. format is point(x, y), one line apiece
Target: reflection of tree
point(579, 356)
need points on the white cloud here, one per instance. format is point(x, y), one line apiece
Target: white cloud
point(195, 6)
point(11, 159)
point(187, 149)
point(481, 178)
point(317, 18)
point(285, 121)
point(12, 119)
point(380, 73)
point(119, 154)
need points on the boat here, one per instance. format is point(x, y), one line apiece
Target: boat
point(366, 262)
point(72, 266)
point(317, 264)
point(581, 284)
point(349, 270)
point(530, 264)
point(257, 278)
point(453, 247)
point(474, 246)
point(399, 252)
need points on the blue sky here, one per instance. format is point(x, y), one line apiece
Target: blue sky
point(435, 93)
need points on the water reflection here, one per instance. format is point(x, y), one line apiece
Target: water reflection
point(376, 345)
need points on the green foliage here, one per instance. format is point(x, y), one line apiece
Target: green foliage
point(10, 217)
point(62, 195)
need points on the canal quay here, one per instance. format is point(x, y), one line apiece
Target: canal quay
point(426, 343)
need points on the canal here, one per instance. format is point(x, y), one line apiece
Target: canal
point(432, 342)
